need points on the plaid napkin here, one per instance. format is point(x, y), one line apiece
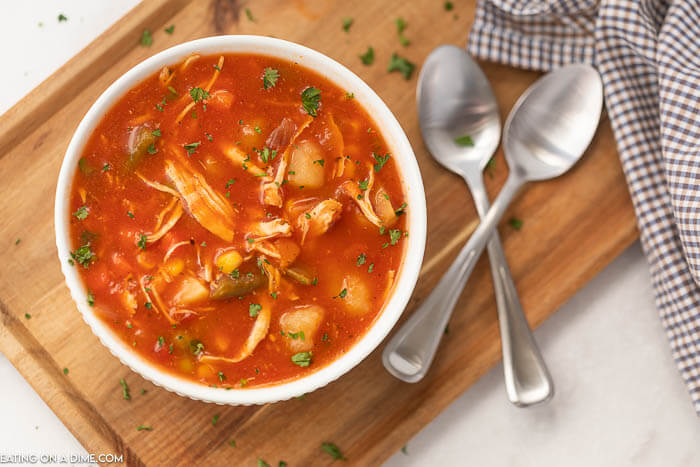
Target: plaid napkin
point(648, 53)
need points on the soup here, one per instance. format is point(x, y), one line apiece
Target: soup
point(238, 220)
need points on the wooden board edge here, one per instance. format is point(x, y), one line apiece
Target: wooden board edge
point(52, 94)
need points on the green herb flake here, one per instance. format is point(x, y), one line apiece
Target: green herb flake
point(367, 58)
point(254, 309)
point(302, 359)
point(199, 94)
point(191, 147)
point(170, 29)
point(516, 223)
point(146, 38)
point(17, 241)
point(332, 450)
point(148, 305)
point(262, 463)
point(362, 259)
point(144, 428)
point(209, 137)
point(347, 22)
point(152, 149)
point(490, 166)
point(215, 419)
point(400, 64)
point(83, 255)
point(400, 27)
point(196, 347)
point(62, 18)
point(172, 91)
point(404, 451)
point(401, 210)
point(349, 95)
point(156, 132)
point(106, 167)
point(249, 14)
point(142, 241)
point(65, 371)
point(394, 236)
point(310, 100)
point(324, 338)
point(90, 298)
point(342, 293)
point(270, 76)
point(27, 316)
point(448, 6)
point(364, 184)
point(370, 268)
point(319, 162)
point(81, 213)
point(315, 281)
point(125, 389)
point(465, 140)
point(222, 376)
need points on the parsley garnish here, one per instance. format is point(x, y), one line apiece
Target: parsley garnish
point(230, 182)
point(332, 450)
point(310, 99)
point(490, 165)
point(400, 26)
point(361, 259)
point(370, 268)
point(324, 338)
point(368, 57)
point(249, 14)
point(146, 38)
point(17, 241)
point(319, 162)
point(144, 428)
point(161, 105)
point(342, 293)
point(349, 95)
point(222, 376)
point(215, 419)
point(516, 223)
point(302, 358)
point(170, 29)
point(270, 78)
point(27, 316)
point(401, 210)
point(62, 17)
point(148, 305)
point(347, 22)
point(196, 347)
point(130, 214)
point(83, 255)
point(65, 371)
point(142, 241)
point(152, 149)
point(465, 140)
point(209, 137)
point(381, 160)
point(191, 147)
point(199, 94)
point(448, 6)
point(364, 184)
point(254, 309)
point(125, 389)
point(90, 298)
point(232, 443)
point(400, 64)
point(81, 213)
point(156, 132)
point(106, 167)
point(394, 236)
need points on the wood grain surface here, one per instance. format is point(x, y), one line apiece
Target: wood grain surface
point(572, 227)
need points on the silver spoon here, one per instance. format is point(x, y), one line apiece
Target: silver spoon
point(546, 133)
point(455, 99)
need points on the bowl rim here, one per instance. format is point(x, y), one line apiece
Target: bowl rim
point(398, 144)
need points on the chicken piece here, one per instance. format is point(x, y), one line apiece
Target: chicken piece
point(129, 301)
point(257, 334)
point(239, 158)
point(271, 229)
point(300, 326)
point(360, 193)
point(272, 273)
point(207, 206)
point(319, 219)
point(282, 134)
point(175, 214)
point(385, 210)
point(190, 291)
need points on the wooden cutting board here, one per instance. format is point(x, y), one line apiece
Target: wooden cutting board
point(572, 227)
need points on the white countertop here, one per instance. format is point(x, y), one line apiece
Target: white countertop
point(619, 398)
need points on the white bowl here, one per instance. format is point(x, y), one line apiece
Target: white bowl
point(399, 148)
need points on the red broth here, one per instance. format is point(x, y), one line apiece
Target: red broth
point(237, 219)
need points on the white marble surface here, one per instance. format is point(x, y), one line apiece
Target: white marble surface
point(619, 400)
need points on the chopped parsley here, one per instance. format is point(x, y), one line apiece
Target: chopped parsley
point(83, 255)
point(144, 428)
point(342, 293)
point(230, 182)
point(401, 210)
point(270, 78)
point(254, 309)
point(146, 38)
point(106, 167)
point(262, 463)
point(65, 371)
point(81, 213)
point(162, 104)
point(62, 17)
point(490, 166)
point(381, 160)
point(222, 376)
point(142, 241)
point(310, 100)
point(320, 162)
point(362, 259)
point(215, 419)
point(125, 389)
point(302, 359)
point(370, 268)
point(148, 305)
point(196, 347)
point(368, 57)
point(191, 147)
point(400, 26)
point(274, 295)
point(516, 223)
point(349, 95)
point(156, 132)
point(315, 281)
point(332, 450)
point(448, 6)
point(27, 316)
point(400, 64)
point(152, 149)
point(170, 29)
point(249, 14)
point(199, 95)
point(364, 184)
point(17, 241)
point(172, 91)
point(404, 451)
point(130, 214)
point(347, 22)
point(324, 338)
point(232, 443)
point(258, 130)
point(394, 236)
point(209, 137)
point(90, 298)
point(465, 140)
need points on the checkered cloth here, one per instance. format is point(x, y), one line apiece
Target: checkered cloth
point(648, 53)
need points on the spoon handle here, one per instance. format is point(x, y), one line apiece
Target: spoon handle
point(409, 353)
point(527, 379)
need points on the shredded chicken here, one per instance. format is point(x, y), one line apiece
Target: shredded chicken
point(158, 186)
point(166, 76)
point(361, 197)
point(172, 249)
point(175, 215)
point(272, 190)
point(207, 88)
point(257, 334)
point(282, 134)
point(238, 157)
point(156, 302)
point(208, 207)
point(319, 219)
point(271, 229)
point(272, 273)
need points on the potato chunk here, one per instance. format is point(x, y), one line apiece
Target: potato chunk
point(304, 167)
point(358, 296)
point(300, 326)
point(190, 291)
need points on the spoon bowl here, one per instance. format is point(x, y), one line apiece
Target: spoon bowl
point(455, 100)
point(550, 125)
